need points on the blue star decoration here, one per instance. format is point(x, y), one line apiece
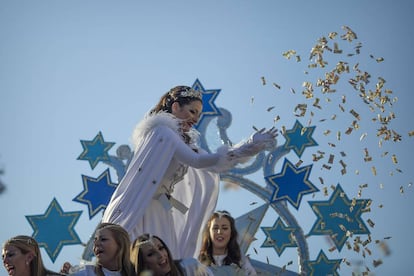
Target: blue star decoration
point(95, 150)
point(291, 184)
point(55, 228)
point(208, 97)
point(338, 215)
point(279, 236)
point(323, 266)
point(96, 192)
point(298, 138)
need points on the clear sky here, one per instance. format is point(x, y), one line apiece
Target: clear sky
point(71, 68)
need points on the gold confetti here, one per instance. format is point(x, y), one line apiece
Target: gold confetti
point(363, 136)
point(401, 189)
point(355, 114)
point(276, 85)
point(288, 54)
point(336, 49)
point(316, 103)
point(263, 80)
point(276, 119)
point(332, 35)
point(380, 59)
point(411, 133)
point(394, 159)
point(377, 262)
point(326, 132)
point(374, 170)
point(326, 166)
point(303, 130)
point(371, 223)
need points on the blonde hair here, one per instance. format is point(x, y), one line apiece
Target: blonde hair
point(121, 238)
point(27, 244)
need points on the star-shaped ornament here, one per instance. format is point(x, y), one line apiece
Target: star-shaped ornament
point(298, 138)
point(323, 266)
point(95, 150)
point(208, 97)
point(55, 229)
point(291, 183)
point(339, 217)
point(279, 236)
point(96, 192)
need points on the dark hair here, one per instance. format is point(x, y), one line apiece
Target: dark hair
point(180, 94)
point(137, 258)
point(233, 248)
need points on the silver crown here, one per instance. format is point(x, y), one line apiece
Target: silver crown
point(190, 92)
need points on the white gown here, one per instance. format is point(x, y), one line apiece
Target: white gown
point(144, 201)
point(164, 178)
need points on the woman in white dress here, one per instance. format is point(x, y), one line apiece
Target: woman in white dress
point(170, 187)
point(220, 249)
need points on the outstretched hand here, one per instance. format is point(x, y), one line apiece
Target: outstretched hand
point(268, 138)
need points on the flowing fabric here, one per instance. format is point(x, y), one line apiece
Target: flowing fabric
point(159, 185)
point(170, 188)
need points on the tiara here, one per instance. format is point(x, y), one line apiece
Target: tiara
point(149, 241)
point(189, 92)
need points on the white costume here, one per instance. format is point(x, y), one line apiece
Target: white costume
point(170, 190)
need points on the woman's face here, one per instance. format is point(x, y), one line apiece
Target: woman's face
point(189, 113)
point(15, 262)
point(220, 233)
point(106, 249)
point(155, 257)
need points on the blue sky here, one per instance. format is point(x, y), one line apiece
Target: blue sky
point(70, 69)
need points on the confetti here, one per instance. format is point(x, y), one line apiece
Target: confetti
point(374, 170)
point(288, 54)
point(299, 163)
point(270, 108)
point(394, 159)
point(371, 223)
point(276, 85)
point(263, 80)
point(377, 262)
point(363, 136)
point(355, 114)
